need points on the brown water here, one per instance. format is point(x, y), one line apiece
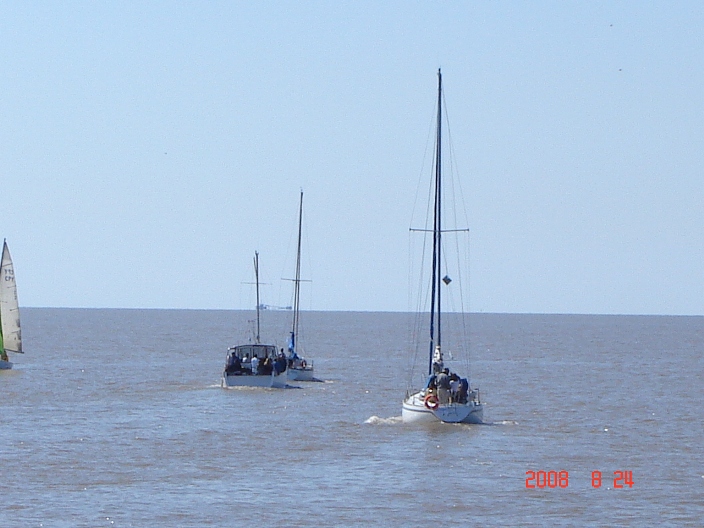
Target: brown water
point(116, 418)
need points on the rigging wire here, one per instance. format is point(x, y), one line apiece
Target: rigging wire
point(416, 305)
point(460, 205)
point(461, 266)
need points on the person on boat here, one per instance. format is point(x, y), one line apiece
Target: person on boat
point(463, 391)
point(280, 363)
point(255, 364)
point(234, 365)
point(431, 384)
point(443, 383)
point(454, 386)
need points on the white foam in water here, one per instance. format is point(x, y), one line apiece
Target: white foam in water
point(376, 420)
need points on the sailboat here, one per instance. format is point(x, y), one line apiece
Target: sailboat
point(446, 397)
point(255, 364)
point(299, 369)
point(10, 334)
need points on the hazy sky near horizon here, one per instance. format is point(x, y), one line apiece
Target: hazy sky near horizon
point(149, 148)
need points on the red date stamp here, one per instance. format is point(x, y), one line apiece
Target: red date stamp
point(547, 479)
point(561, 479)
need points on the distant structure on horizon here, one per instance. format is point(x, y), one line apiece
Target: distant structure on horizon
point(270, 307)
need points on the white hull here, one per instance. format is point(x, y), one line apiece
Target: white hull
point(415, 411)
point(301, 374)
point(5, 365)
point(274, 381)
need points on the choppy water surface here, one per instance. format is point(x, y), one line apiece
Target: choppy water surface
point(116, 418)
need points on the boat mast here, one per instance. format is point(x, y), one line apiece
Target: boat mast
point(256, 279)
point(297, 280)
point(437, 232)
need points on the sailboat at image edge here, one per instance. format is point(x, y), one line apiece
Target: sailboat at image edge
point(446, 397)
point(10, 334)
point(255, 364)
point(299, 369)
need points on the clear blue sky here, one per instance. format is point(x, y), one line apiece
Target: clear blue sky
point(147, 149)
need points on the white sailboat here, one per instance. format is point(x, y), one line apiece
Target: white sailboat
point(255, 364)
point(446, 396)
point(299, 368)
point(10, 334)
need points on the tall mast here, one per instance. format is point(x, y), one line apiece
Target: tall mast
point(438, 209)
point(256, 279)
point(437, 232)
point(297, 280)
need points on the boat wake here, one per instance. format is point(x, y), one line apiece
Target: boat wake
point(249, 388)
point(376, 420)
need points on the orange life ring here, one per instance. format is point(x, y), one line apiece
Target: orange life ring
point(432, 402)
